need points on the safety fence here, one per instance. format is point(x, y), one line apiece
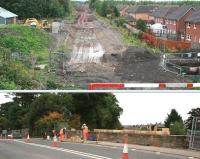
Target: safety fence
point(165, 43)
point(27, 59)
point(184, 64)
point(19, 133)
point(194, 134)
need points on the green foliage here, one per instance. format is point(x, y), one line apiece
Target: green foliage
point(32, 110)
point(105, 8)
point(116, 11)
point(4, 123)
point(18, 45)
point(14, 75)
point(92, 4)
point(24, 39)
point(172, 118)
point(141, 24)
point(98, 110)
point(120, 21)
point(193, 113)
point(177, 128)
point(38, 8)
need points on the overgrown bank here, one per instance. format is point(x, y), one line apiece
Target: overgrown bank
point(21, 48)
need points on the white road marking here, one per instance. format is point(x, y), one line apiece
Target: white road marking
point(157, 153)
point(191, 157)
point(67, 150)
point(133, 149)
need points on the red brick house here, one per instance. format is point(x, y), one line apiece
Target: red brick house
point(192, 27)
point(160, 14)
point(141, 12)
point(175, 21)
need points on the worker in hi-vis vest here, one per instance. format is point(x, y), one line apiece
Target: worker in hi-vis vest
point(85, 132)
point(62, 134)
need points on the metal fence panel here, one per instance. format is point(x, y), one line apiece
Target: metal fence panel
point(194, 134)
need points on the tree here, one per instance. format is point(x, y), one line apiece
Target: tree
point(39, 111)
point(141, 24)
point(193, 113)
point(98, 110)
point(177, 128)
point(45, 103)
point(48, 122)
point(38, 8)
point(172, 118)
point(104, 8)
point(92, 3)
point(116, 11)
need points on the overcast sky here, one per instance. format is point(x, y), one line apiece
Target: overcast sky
point(143, 108)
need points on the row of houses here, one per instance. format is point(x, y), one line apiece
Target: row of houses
point(184, 21)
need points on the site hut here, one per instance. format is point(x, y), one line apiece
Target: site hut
point(7, 17)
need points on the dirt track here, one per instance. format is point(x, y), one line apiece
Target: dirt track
point(99, 56)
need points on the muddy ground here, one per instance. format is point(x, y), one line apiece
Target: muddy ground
point(120, 63)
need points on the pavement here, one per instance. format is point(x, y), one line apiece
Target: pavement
point(42, 149)
point(180, 152)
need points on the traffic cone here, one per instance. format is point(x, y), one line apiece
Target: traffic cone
point(55, 141)
point(125, 149)
point(48, 137)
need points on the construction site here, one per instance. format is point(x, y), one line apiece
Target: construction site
point(96, 53)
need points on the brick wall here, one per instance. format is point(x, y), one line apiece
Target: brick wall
point(147, 140)
point(194, 31)
point(170, 141)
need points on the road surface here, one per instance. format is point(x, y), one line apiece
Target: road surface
point(42, 149)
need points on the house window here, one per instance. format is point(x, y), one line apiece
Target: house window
point(166, 21)
point(170, 22)
point(182, 36)
point(194, 26)
point(174, 22)
point(188, 25)
point(189, 37)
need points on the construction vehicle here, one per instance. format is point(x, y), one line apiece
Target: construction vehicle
point(33, 22)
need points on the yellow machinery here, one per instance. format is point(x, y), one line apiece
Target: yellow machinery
point(43, 24)
point(32, 22)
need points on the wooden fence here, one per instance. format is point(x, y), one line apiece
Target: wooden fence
point(165, 43)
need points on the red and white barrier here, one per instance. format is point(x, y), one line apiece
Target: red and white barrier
point(93, 86)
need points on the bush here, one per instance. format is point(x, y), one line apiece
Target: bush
point(177, 128)
point(141, 24)
point(14, 76)
point(24, 39)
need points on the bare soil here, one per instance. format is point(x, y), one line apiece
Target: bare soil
point(120, 63)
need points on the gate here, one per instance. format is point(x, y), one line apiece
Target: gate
point(194, 134)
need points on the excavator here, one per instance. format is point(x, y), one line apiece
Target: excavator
point(34, 23)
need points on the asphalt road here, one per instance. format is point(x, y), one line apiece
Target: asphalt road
point(42, 149)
